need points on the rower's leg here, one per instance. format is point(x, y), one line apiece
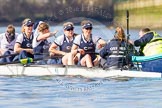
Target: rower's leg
point(86, 61)
point(65, 59)
point(68, 59)
point(96, 61)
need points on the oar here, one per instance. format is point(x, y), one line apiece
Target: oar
point(15, 62)
point(4, 56)
point(14, 54)
point(30, 60)
point(45, 58)
point(48, 57)
point(92, 53)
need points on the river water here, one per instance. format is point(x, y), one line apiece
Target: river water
point(78, 92)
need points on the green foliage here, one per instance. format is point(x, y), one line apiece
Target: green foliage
point(141, 17)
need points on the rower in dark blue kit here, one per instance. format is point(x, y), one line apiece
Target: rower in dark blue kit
point(64, 43)
point(40, 43)
point(23, 45)
point(85, 45)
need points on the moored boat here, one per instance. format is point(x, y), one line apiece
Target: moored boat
point(53, 70)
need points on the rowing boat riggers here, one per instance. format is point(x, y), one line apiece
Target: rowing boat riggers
point(7, 59)
point(23, 54)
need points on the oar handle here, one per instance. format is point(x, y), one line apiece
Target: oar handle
point(3, 56)
point(29, 60)
point(14, 54)
point(92, 53)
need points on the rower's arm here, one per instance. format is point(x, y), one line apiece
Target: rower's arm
point(42, 37)
point(18, 49)
point(74, 49)
point(101, 43)
point(53, 49)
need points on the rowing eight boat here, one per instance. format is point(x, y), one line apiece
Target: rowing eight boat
point(53, 70)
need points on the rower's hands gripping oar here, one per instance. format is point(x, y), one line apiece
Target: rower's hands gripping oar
point(52, 55)
point(81, 51)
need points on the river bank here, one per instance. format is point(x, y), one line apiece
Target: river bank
point(142, 14)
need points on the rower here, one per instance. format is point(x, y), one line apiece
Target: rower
point(85, 44)
point(64, 43)
point(40, 43)
point(23, 45)
point(7, 41)
point(35, 27)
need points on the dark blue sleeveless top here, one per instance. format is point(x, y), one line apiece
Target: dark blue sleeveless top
point(43, 47)
point(88, 47)
point(66, 46)
point(27, 43)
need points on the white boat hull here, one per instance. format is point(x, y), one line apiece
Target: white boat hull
point(53, 70)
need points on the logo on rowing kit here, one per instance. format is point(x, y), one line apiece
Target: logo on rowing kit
point(28, 45)
point(45, 46)
point(88, 48)
point(68, 48)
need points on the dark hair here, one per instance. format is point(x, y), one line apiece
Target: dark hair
point(10, 29)
point(144, 30)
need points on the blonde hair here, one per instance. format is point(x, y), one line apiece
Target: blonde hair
point(43, 26)
point(23, 22)
point(10, 29)
point(119, 34)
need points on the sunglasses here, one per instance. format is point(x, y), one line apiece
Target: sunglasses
point(90, 28)
point(71, 29)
